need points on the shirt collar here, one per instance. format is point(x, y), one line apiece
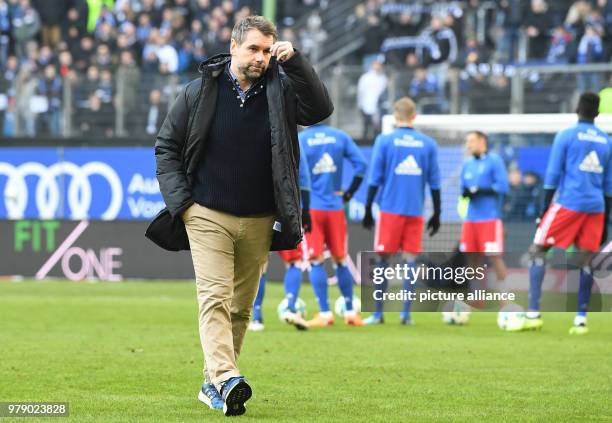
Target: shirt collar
point(234, 79)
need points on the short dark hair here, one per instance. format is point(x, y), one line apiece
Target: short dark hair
point(480, 135)
point(260, 23)
point(588, 106)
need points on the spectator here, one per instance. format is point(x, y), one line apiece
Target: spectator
point(105, 88)
point(52, 14)
point(538, 24)
point(424, 88)
point(590, 50)
point(8, 79)
point(5, 32)
point(559, 45)
point(103, 58)
point(156, 114)
point(97, 119)
point(65, 65)
point(577, 15)
point(200, 10)
point(508, 20)
point(441, 55)
point(312, 37)
point(50, 87)
point(88, 86)
point(165, 27)
point(197, 31)
point(522, 202)
point(25, 26)
point(183, 9)
point(370, 88)
point(124, 13)
point(606, 10)
point(25, 88)
point(166, 54)
point(128, 78)
point(95, 8)
point(45, 57)
point(153, 9)
point(515, 199)
point(150, 61)
point(228, 8)
point(211, 38)
point(143, 31)
point(83, 54)
point(473, 53)
point(77, 16)
point(533, 188)
point(105, 33)
point(374, 35)
point(185, 57)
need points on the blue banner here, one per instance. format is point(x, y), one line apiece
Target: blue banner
point(120, 183)
point(78, 183)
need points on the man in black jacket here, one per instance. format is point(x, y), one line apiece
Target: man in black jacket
point(227, 164)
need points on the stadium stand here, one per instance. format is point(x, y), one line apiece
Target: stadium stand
point(81, 67)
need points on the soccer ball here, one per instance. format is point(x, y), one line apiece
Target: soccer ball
point(300, 308)
point(340, 305)
point(511, 318)
point(456, 313)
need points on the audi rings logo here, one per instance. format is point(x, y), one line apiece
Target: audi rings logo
point(48, 191)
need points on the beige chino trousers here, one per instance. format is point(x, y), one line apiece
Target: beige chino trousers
point(229, 254)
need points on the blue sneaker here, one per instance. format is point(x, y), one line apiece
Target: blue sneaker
point(235, 392)
point(210, 396)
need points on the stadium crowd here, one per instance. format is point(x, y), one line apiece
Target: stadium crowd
point(132, 52)
point(423, 40)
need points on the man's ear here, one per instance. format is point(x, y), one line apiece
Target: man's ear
point(233, 46)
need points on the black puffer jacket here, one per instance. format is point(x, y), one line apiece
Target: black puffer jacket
point(295, 96)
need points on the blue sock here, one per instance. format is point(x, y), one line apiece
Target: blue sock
point(345, 283)
point(259, 299)
point(293, 278)
point(536, 276)
point(584, 291)
point(383, 288)
point(318, 279)
point(408, 286)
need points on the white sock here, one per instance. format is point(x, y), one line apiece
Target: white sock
point(326, 314)
point(580, 320)
point(533, 314)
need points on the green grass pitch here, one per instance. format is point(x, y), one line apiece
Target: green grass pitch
point(130, 352)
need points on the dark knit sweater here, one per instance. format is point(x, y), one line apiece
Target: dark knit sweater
point(235, 171)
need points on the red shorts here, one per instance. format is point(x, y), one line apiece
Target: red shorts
point(561, 227)
point(290, 256)
point(482, 237)
point(328, 229)
point(395, 232)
